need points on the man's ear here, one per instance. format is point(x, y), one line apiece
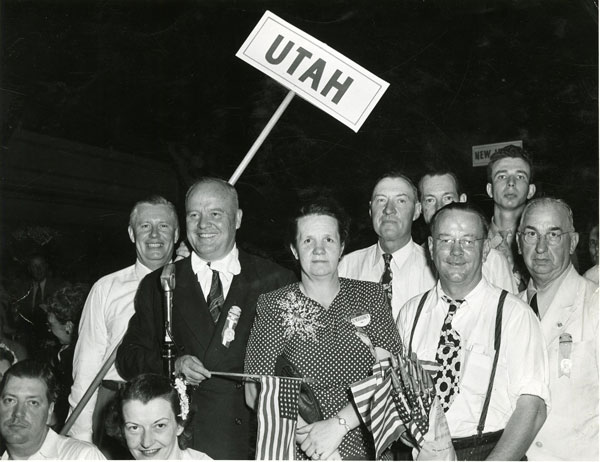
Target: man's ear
point(417, 212)
point(519, 245)
point(176, 235)
point(69, 326)
point(50, 413)
point(430, 245)
point(370, 215)
point(531, 191)
point(488, 190)
point(238, 219)
point(131, 234)
point(574, 242)
point(462, 198)
point(486, 250)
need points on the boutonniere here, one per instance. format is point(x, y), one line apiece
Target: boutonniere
point(228, 333)
point(299, 318)
point(360, 320)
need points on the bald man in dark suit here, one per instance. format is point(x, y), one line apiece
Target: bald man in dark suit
point(216, 277)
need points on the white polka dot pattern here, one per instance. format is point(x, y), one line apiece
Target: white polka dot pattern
point(336, 358)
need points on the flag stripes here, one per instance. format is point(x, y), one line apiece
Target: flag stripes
point(277, 413)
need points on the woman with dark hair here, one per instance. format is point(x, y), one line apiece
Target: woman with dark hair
point(63, 311)
point(150, 416)
point(329, 328)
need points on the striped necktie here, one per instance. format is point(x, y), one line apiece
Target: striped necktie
point(215, 298)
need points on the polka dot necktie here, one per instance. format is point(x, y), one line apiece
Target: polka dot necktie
point(386, 277)
point(215, 297)
point(448, 357)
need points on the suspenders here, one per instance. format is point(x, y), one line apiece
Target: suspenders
point(497, 339)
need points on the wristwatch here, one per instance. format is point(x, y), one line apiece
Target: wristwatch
point(343, 422)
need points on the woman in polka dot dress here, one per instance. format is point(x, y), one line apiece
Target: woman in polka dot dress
point(319, 325)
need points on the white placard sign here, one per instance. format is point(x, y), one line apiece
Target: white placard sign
point(482, 153)
point(313, 70)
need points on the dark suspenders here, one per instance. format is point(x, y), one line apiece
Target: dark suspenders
point(497, 341)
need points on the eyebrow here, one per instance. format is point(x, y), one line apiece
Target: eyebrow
point(504, 170)
point(552, 228)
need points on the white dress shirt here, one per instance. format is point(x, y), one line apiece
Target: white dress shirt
point(570, 431)
point(498, 272)
point(228, 267)
point(522, 364)
point(104, 321)
point(57, 447)
point(411, 275)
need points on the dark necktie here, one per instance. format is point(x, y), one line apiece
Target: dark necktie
point(37, 295)
point(448, 357)
point(386, 277)
point(534, 305)
point(215, 298)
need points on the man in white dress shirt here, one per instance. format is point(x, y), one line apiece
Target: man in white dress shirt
point(453, 331)
point(27, 396)
point(393, 208)
point(154, 229)
point(567, 304)
point(440, 188)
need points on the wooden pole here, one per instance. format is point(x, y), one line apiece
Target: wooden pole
point(90, 391)
point(256, 377)
point(261, 138)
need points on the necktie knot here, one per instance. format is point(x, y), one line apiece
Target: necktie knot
point(215, 299)
point(387, 258)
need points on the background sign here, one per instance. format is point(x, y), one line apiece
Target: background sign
point(482, 153)
point(313, 70)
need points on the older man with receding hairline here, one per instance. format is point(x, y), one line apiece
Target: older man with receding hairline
point(567, 305)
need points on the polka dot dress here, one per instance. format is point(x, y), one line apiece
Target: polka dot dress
point(323, 344)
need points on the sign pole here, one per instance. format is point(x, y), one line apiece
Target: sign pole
point(261, 138)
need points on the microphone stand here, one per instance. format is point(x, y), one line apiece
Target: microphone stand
point(167, 281)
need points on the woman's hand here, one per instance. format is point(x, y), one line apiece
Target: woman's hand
point(320, 440)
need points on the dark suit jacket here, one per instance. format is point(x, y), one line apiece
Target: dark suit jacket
point(223, 426)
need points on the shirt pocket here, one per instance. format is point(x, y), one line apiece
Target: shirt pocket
point(476, 372)
point(584, 368)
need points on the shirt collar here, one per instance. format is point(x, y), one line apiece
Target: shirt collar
point(398, 257)
point(49, 449)
point(141, 270)
point(549, 292)
point(470, 298)
point(229, 264)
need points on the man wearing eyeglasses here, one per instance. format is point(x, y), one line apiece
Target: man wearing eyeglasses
point(567, 305)
point(491, 377)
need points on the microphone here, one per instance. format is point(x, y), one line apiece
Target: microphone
point(167, 282)
point(228, 334)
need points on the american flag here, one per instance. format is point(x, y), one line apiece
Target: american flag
point(277, 414)
point(374, 399)
point(386, 424)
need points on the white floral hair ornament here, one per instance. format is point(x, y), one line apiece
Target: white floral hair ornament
point(184, 400)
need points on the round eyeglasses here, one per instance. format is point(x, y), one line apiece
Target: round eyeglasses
point(465, 243)
point(532, 237)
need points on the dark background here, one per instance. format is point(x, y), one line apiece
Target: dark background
point(104, 102)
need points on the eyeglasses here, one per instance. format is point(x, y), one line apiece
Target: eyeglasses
point(465, 243)
point(532, 237)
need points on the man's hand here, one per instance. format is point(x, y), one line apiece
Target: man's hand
point(182, 251)
point(192, 368)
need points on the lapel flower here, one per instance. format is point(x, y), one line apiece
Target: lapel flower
point(299, 318)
